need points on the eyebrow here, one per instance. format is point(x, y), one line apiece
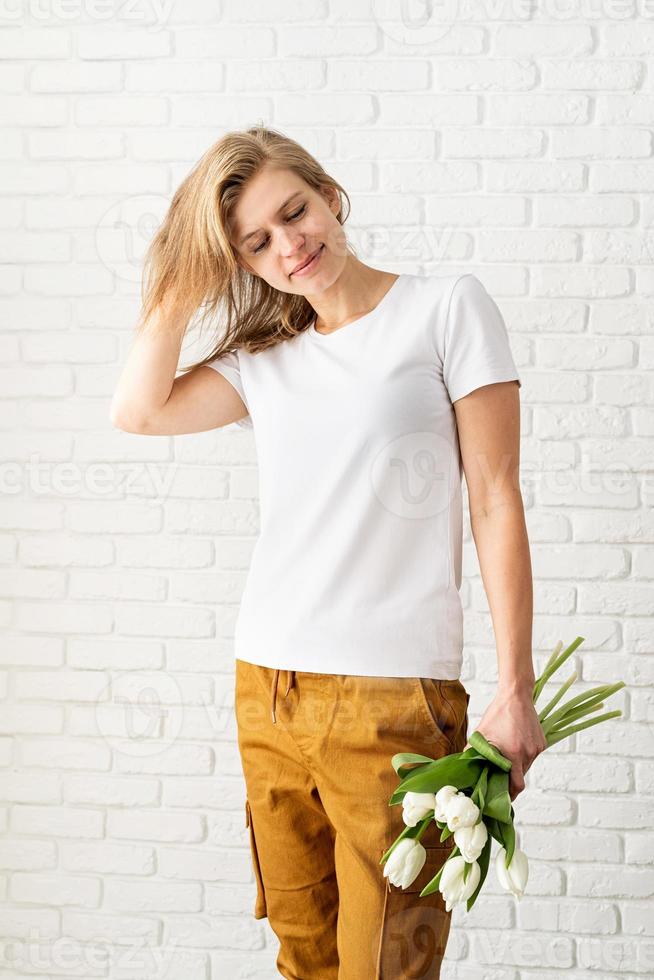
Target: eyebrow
point(288, 200)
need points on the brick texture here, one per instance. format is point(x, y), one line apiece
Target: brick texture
point(512, 145)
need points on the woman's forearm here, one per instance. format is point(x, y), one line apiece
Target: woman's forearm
point(149, 372)
point(501, 540)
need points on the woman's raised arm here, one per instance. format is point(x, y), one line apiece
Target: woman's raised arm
point(150, 400)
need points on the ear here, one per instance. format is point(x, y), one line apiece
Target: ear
point(331, 196)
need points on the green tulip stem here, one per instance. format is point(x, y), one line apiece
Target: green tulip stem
point(572, 716)
point(557, 697)
point(586, 699)
point(559, 735)
point(553, 666)
point(424, 823)
point(408, 832)
point(553, 655)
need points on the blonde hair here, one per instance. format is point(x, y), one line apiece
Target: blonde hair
point(191, 262)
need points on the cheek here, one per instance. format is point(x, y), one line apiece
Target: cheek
point(331, 233)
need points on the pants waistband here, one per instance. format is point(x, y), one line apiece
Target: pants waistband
point(291, 681)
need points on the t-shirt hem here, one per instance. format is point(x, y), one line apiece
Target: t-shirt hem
point(427, 665)
point(481, 380)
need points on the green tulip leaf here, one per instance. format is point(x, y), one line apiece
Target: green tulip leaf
point(506, 837)
point(401, 761)
point(483, 861)
point(498, 800)
point(479, 794)
point(494, 828)
point(445, 833)
point(400, 758)
point(509, 842)
point(432, 886)
point(472, 753)
point(449, 771)
point(489, 751)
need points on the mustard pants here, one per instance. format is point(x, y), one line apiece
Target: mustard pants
point(316, 754)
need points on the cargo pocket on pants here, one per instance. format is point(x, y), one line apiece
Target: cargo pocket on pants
point(414, 930)
point(260, 910)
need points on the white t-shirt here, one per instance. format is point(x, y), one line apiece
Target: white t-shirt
point(357, 567)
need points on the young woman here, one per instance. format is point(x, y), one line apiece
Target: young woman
point(368, 393)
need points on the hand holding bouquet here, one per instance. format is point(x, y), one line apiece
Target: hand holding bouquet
point(467, 795)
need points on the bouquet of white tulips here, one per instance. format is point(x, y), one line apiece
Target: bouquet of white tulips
point(467, 795)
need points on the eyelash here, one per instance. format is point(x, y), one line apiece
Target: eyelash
point(291, 217)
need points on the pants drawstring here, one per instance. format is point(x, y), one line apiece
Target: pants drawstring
point(291, 682)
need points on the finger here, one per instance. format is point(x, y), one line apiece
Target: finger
point(517, 783)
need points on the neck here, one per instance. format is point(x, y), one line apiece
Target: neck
point(356, 292)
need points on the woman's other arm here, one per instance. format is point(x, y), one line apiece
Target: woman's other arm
point(488, 422)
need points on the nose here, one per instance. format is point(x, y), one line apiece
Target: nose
point(289, 242)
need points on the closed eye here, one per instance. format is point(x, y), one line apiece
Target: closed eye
point(291, 217)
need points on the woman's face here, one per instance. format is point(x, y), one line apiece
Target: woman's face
point(279, 222)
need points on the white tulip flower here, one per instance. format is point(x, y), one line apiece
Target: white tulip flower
point(405, 862)
point(514, 878)
point(443, 797)
point(452, 886)
point(460, 811)
point(416, 806)
point(471, 840)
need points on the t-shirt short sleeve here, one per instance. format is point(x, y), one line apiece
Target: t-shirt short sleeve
point(229, 366)
point(476, 348)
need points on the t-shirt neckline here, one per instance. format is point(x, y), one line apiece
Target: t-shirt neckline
point(327, 337)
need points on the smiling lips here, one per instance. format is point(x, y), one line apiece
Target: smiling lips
point(307, 262)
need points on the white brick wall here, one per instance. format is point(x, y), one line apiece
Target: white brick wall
point(514, 145)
